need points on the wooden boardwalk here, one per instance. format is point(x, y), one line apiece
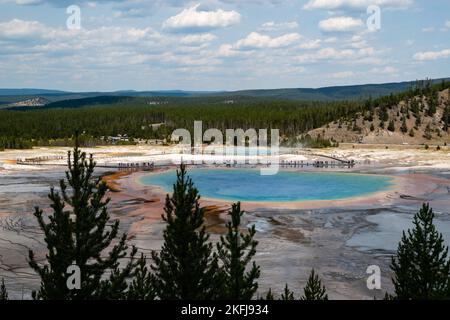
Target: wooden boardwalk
point(333, 161)
point(121, 165)
point(339, 161)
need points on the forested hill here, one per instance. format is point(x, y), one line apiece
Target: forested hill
point(356, 92)
point(419, 116)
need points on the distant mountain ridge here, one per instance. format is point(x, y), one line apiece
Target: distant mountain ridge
point(28, 92)
point(350, 92)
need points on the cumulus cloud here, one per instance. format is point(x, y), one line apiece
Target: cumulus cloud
point(447, 24)
point(385, 70)
point(331, 40)
point(340, 24)
point(258, 46)
point(358, 4)
point(432, 55)
point(256, 40)
point(17, 28)
point(276, 26)
point(33, 36)
point(227, 51)
point(332, 53)
point(195, 39)
point(339, 54)
point(310, 44)
point(192, 19)
point(120, 52)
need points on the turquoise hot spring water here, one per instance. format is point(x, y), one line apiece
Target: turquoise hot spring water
point(286, 186)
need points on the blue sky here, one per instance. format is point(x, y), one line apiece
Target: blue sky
point(220, 44)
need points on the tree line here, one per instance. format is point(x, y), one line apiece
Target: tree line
point(134, 117)
point(80, 236)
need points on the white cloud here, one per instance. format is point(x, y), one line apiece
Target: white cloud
point(226, 50)
point(364, 55)
point(326, 54)
point(310, 44)
point(359, 44)
point(339, 24)
point(358, 4)
point(385, 70)
point(367, 51)
point(256, 40)
point(194, 39)
point(428, 29)
point(17, 28)
point(447, 24)
point(332, 53)
point(432, 55)
point(98, 44)
point(274, 26)
point(191, 19)
point(331, 40)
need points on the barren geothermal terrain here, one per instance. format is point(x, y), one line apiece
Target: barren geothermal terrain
point(339, 238)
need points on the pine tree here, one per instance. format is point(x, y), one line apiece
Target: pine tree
point(141, 287)
point(404, 127)
point(421, 268)
point(446, 116)
point(269, 295)
point(391, 126)
point(236, 251)
point(185, 268)
point(287, 294)
point(432, 104)
point(415, 108)
point(3, 292)
point(383, 113)
point(418, 122)
point(427, 133)
point(314, 290)
point(79, 235)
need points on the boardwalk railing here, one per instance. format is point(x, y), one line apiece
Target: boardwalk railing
point(332, 157)
point(149, 165)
